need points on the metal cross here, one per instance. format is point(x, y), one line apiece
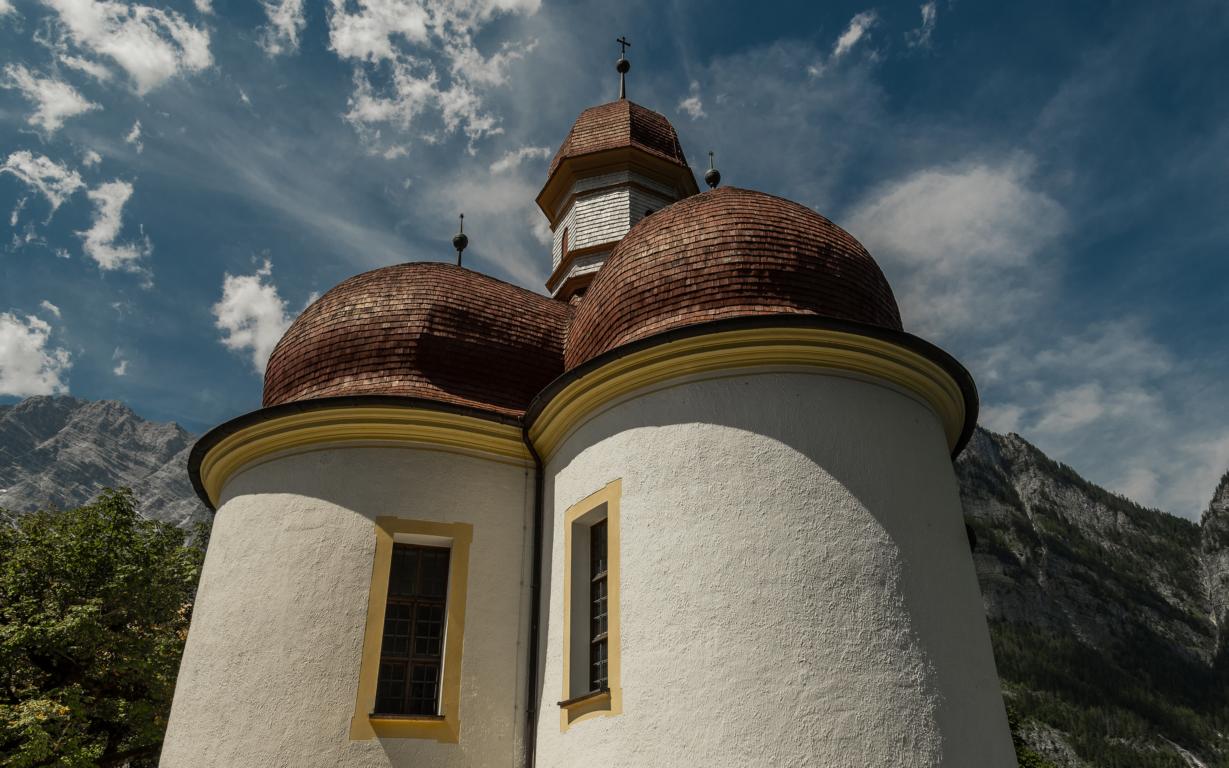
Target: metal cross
point(623, 46)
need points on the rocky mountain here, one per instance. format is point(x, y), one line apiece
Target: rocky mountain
point(1105, 615)
point(60, 451)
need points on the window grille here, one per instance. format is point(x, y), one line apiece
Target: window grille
point(598, 677)
point(412, 650)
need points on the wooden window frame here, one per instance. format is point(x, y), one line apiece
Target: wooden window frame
point(579, 701)
point(445, 726)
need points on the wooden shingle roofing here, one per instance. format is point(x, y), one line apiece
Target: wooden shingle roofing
point(727, 253)
point(620, 124)
point(426, 329)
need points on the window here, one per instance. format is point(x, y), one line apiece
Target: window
point(409, 682)
point(412, 649)
point(597, 608)
point(591, 664)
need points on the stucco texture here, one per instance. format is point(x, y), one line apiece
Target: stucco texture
point(270, 672)
point(797, 588)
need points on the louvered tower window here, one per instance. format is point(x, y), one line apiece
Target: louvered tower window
point(598, 677)
point(411, 654)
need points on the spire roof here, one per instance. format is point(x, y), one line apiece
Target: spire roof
point(621, 124)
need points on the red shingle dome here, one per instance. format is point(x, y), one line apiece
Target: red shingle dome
point(428, 330)
point(722, 254)
point(620, 124)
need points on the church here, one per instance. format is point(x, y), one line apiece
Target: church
point(692, 506)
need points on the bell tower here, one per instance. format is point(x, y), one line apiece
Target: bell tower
point(618, 164)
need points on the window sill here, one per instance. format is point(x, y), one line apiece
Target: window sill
point(435, 727)
point(584, 697)
point(593, 704)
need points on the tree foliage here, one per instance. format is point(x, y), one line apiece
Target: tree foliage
point(94, 610)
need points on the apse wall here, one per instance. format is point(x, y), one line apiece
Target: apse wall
point(271, 669)
point(795, 581)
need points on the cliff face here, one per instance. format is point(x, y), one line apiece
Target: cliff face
point(1104, 614)
point(60, 451)
point(1215, 552)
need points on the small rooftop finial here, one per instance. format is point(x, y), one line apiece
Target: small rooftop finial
point(460, 240)
point(622, 65)
point(713, 176)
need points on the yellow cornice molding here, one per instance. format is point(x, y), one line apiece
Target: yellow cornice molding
point(362, 424)
point(819, 348)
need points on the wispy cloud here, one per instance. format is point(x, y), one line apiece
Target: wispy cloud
point(47, 306)
point(395, 45)
point(513, 158)
point(29, 363)
point(53, 181)
point(134, 137)
point(286, 21)
point(961, 243)
point(251, 315)
point(692, 105)
point(100, 239)
point(857, 30)
point(121, 363)
point(920, 37)
point(56, 100)
point(150, 44)
point(6, 7)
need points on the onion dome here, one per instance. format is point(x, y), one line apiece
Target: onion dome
point(728, 253)
point(617, 125)
point(427, 330)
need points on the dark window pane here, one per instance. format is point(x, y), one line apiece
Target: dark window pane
point(402, 580)
point(428, 630)
point(413, 641)
point(424, 690)
point(434, 573)
point(597, 666)
point(597, 606)
point(390, 692)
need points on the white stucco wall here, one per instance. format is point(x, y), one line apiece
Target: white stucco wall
point(271, 668)
point(797, 588)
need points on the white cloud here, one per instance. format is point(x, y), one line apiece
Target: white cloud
point(49, 307)
point(121, 363)
point(100, 239)
point(203, 6)
point(134, 137)
point(150, 44)
point(513, 158)
point(961, 244)
point(858, 27)
point(91, 158)
point(15, 216)
point(692, 104)
point(29, 365)
point(286, 21)
point(57, 100)
point(251, 315)
point(244, 97)
point(54, 181)
point(6, 7)
point(92, 68)
point(921, 35)
point(395, 45)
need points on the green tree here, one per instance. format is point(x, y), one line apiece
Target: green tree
point(94, 609)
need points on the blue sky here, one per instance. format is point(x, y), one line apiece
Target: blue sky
point(1046, 185)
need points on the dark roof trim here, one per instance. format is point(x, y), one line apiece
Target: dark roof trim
point(963, 379)
point(219, 433)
